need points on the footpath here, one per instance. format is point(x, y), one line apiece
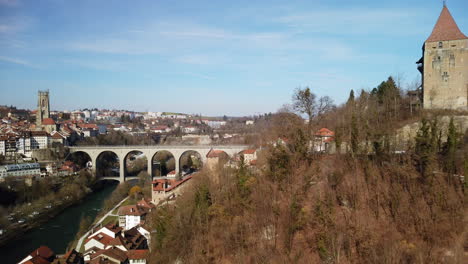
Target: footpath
point(80, 242)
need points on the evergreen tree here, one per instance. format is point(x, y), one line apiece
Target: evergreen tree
point(451, 148)
point(424, 149)
point(338, 139)
point(354, 135)
point(351, 98)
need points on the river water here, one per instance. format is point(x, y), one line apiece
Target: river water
point(57, 232)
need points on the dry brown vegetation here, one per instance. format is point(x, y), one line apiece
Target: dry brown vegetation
point(301, 207)
point(335, 210)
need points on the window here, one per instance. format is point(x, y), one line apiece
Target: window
point(440, 44)
point(445, 76)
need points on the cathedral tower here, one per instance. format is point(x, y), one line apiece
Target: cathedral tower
point(43, 110)
point(444, 66)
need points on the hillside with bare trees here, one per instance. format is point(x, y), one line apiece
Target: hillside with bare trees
point(365, 204)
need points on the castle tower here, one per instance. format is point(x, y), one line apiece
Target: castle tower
point(444, 66)
point(43, 110)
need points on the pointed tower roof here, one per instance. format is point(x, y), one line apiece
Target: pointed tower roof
point(445, 28)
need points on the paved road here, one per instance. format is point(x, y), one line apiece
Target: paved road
point(78, 245)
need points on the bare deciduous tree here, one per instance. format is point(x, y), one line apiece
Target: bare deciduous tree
point(304, 102)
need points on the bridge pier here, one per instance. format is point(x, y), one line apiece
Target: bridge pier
point(122, 168)
point(177, 164)
point(150, 166)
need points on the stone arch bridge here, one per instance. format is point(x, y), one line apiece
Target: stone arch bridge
point(150, 151)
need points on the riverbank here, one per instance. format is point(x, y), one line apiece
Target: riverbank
point(16, 230)
point(118, 196)
point(55, 232)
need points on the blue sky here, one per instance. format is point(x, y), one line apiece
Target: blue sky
point(210, 57)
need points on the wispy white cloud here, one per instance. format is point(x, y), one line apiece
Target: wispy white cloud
point(356, 21)
point(17, 61)
point(5, 28)
point(163, 37)
point(100, 65)
point(15, 24)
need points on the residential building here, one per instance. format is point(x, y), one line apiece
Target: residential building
point(250, 156)
point(131, 216)
point(101, 237)
point(87, 132)
point(138, 256)
point(112, 238)
point(3, 140)
point(110, 255)
point(71, 257)
point(160, 129)
point(323, 139)
point(190, 129)
point(41, 255)
point(164, 189)
point(20, 170)
point(58, 138)
point(49, 125)
point(214, 123)
point(39, 139)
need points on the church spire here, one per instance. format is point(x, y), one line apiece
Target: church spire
point(446, 28)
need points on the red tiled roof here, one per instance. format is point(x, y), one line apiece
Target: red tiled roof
point(37, 260)
point(249, 151)
point(158, 185)
point(325, 132)
point(72, 256)
point(446, 28)
point(114, 253)
point(39, 134)
point(132, 210)
point(113, 227)
point(101, 237)
point(117, 241)
point(214, 153)
point(48, 121)
point(145, 203)
point(90, 125)
point(43, 252)
point(137, 254)
point(57, 136)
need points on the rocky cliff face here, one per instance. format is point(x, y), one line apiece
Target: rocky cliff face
point(408, 133)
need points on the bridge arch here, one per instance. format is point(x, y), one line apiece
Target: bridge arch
point(163, 162)
point(120, 152)
point(190, 161)
point(108, 165)
point(81, 158)
point(134, 162)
